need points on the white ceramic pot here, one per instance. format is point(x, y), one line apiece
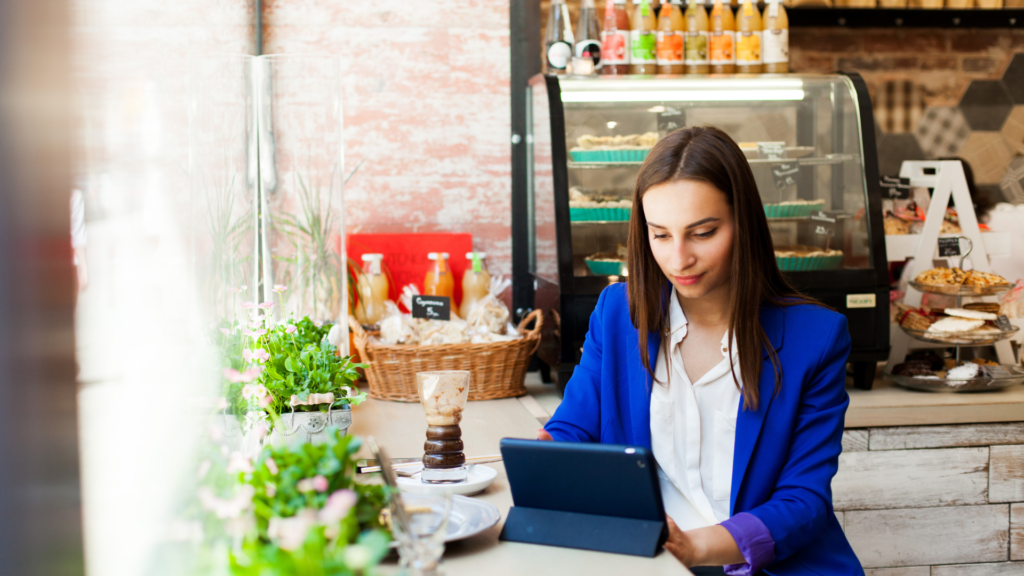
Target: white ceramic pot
point(302, 427)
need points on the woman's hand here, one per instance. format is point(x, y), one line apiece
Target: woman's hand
point(680, 545)
point(543, 434)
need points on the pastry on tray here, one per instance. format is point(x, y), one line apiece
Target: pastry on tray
point(629, 148)
point(793, 208)
point(991, 307)
point(953, 325)
point(799, 257)
point(895, 226)
point(593, 208)
point(951, 280)
point(610, 263)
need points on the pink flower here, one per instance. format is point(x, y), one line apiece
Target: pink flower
point(236, 290)
point(248, 305)
point(290, 533)
point(317, 483)
point(239, 463)
point(260, 430)
point(252, 373)
point(290, 329)
point(266, 400)
point(255, 333)
point(248, 391)
point(337, 507)
point(222, 403)
point(231, 508)
point(256, 323)
point(225, 331)
point(280, 287)
point(267, 305)
point(271, 466)
point(233, 376)
point(258, 354)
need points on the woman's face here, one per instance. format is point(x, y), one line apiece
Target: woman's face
point(690, 228)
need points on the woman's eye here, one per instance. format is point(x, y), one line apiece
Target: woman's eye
point(660, 236)
point(707, 234)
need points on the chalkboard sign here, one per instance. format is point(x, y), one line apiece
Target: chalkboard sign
point(949, 247)
point(670, 120)
point(894, 188)
point(824, 225)
point(785, 174)
point(771, 150)
point(432, 307)
point(1004, 323)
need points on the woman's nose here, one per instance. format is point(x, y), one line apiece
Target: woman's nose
point(681, 256)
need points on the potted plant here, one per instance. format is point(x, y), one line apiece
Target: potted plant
point(290, 380)
point(293, 510)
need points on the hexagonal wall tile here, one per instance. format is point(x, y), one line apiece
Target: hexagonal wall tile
point(941, 132)
point(986, 104)
point(1012, 183)
point(1013, 129)
point(1014, 79)
point(988, 155)
point(893, 149)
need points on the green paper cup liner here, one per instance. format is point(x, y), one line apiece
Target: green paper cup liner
point(605, 268)
point(792, 210)
point(808, 263)
point(629, 155)
point(598, 214)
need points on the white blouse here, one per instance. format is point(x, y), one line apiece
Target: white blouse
point(693, 431)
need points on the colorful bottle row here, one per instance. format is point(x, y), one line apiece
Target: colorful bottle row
point(674, 42)
point(373, 285)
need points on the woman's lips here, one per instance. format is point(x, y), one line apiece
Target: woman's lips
point(688, 280)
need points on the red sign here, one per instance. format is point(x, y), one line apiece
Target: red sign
point(405, 255)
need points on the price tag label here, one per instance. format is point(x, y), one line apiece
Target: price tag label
point(432, 307)
point(785, 174)
point(1004, 323)
point(894, 188)
point(949, 247)
point(670, 120)
point(771, 150)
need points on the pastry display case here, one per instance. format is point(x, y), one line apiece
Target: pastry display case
point(810, 143)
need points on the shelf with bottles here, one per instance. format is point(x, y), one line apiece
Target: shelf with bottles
point(698, 38)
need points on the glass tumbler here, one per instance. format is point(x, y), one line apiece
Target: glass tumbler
point(421, 543)
point(443, 394)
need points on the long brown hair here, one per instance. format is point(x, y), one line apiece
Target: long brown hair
point(707, 154)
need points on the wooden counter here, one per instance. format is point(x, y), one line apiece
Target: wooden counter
point(400, 427)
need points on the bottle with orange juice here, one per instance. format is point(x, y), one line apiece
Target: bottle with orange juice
point(476, 282)
point(775, 41)
point(748, 39)
point(671, 34)
point(723, 39)
point(373, 290)
point(696, 51)
point(439, 281)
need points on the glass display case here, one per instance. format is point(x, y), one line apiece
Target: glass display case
point(810, 143)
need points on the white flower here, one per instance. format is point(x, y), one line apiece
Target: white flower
point(357, 556)
point(335, 335)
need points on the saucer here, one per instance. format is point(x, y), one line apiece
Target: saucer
point(479, 478)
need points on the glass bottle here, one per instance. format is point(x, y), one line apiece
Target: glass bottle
point(476, 282)
point(439, 281)
point(643, 40)
point(558, 38)
point(775, 47)
point(615, 39)
point(748, 39)
point(373, 290)
point(696, 48)
point(723, 39)
point(588, 33)
point(671, 29)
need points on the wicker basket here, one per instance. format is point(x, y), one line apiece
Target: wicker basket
point(499, 368)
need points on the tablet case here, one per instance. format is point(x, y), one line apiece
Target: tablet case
point(600, 497)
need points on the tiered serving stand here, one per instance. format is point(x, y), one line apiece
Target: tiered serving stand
point(947, 179)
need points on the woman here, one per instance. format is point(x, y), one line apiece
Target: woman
point(709, 358)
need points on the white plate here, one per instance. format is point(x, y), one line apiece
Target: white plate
point(480, 477)
point(470, 517)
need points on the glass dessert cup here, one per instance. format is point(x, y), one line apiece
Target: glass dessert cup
point(443, 396)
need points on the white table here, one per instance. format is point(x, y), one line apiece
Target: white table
point(400, 428)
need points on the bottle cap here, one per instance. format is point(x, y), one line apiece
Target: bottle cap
point(434, 255)
point(469, 255)
point(372, 257)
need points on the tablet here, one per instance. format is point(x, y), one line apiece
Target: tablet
point(592, 496)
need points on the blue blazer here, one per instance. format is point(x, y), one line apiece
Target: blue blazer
point(786, 452)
